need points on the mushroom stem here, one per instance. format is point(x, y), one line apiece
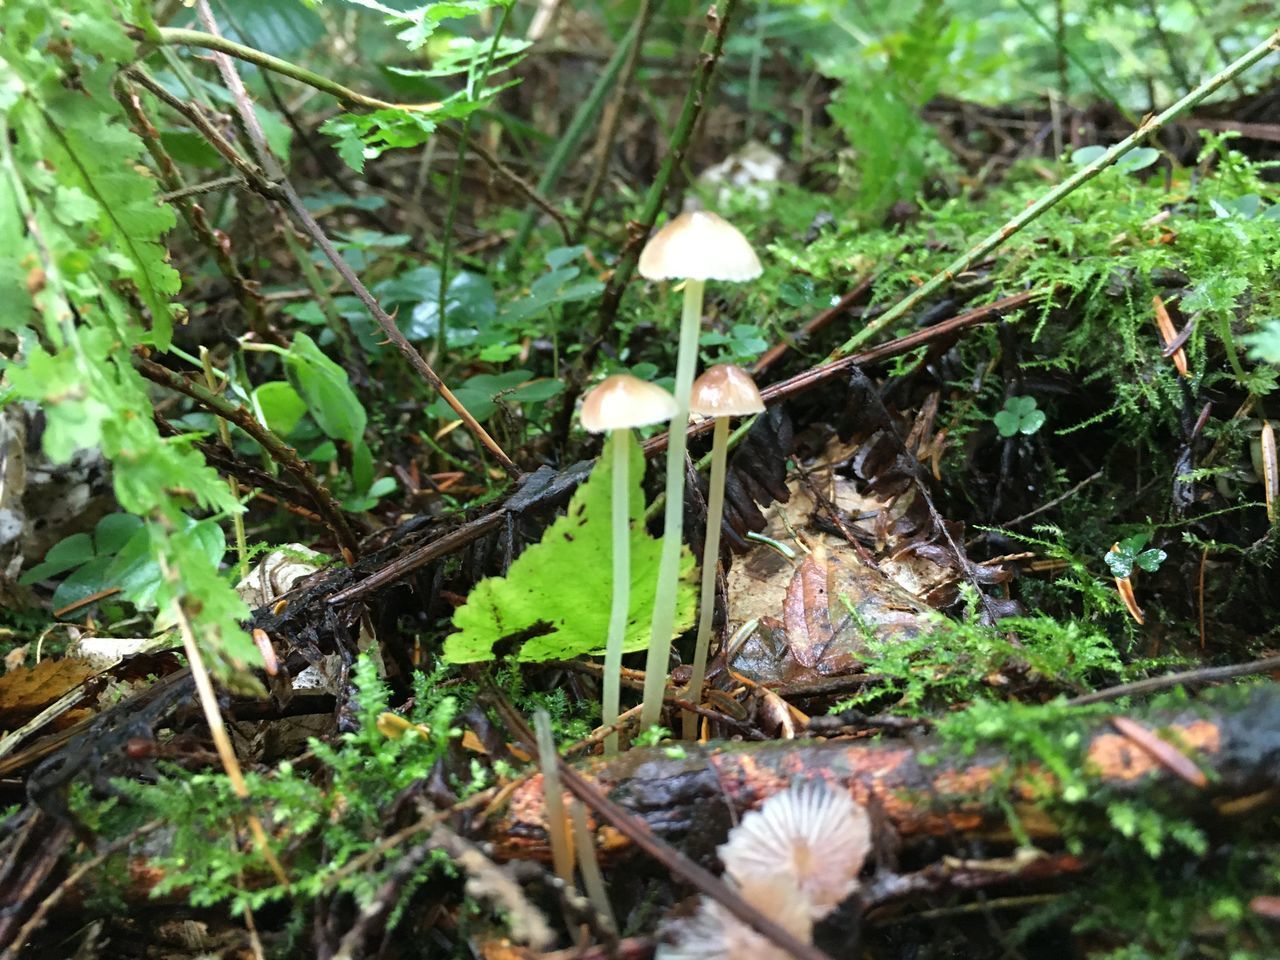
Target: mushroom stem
point(620, 442)
point(664, 601)
point(710, 563)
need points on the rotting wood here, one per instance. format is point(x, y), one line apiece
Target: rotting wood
point(691, 802)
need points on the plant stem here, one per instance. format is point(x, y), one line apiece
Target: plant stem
point(455, 191)
point(708, 56)
point(567, 147)
point(553, 796)
point(710, 563)
point(620, 441)
point(220, 44)
point(1031, 213)
point(224, 434)
point(664, 601)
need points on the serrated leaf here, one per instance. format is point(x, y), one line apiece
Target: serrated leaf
point(555, 597)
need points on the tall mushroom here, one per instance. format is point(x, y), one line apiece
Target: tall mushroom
point(615, 406)
point(694, 247)
point(723, 391)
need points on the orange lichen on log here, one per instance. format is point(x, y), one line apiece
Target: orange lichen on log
point(1116, 757)
point(691, 801)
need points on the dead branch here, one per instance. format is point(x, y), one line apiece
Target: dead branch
point(922, 789)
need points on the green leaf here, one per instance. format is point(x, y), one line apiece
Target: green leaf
point(113, 532)
point(1150, 560)
point(1138, 159)
point(280, 406)
point(1087, 155)
point(66, 554)
point(361, 467)
point(85, 582)
point(365, 136)
point(555, 598)
point(323, 385)
point(1265, 343)
point(1019, 415)
point(278, 27)
point(136, 571)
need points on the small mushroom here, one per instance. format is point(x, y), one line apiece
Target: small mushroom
point(694, 247)
point(810, 834)
point(723, 391)
point(714, 932)
point(615, 406)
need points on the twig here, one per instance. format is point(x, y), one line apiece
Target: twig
point(613, 115)
point(406, 564)
point(245, 108)
point(1050, 199)
point(639, 833)
point(276, 448)
point(48, 902)
point(884, 351)
point(638, 231)
point(217, 728)
point(1067, 495)
point(220, 44)
point(196, 117)
point(250, 298)
point(1152, 684)
point(819, 321)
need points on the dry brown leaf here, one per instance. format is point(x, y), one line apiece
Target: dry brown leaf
point(24, 693)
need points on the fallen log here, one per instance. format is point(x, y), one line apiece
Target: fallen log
point(1216, 757)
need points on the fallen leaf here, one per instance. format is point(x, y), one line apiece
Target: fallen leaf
point(24, 693)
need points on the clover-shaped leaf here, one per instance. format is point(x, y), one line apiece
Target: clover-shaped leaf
point(1128, 553)
point(1019, 415)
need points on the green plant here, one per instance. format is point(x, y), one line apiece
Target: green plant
point(545, 607)
point(1128, 553)
point(1019, 415)
point(86, 282)
point(364, 136)
point(328, 822)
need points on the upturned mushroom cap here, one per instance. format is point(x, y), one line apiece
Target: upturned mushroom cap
point(623, 401)
point(725, 391)
point(699, 246)
point(812, 833)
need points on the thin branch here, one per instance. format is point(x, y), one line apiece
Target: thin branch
point(613, 114)
point(1152, 684)
point(183, 197)
point(220, 44)
point(681, 137)
point(276, 448)
point(245, 108)
point(1050, 199)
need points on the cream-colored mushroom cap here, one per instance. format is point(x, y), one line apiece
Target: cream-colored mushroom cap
point(699, 246)
point(623, 401)
point(812, 833)
point(725, 391)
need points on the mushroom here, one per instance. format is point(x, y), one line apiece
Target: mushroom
point(615, 406)
point(723, 391)
point(713, 933)
point(695, 247)
point(810, 834)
